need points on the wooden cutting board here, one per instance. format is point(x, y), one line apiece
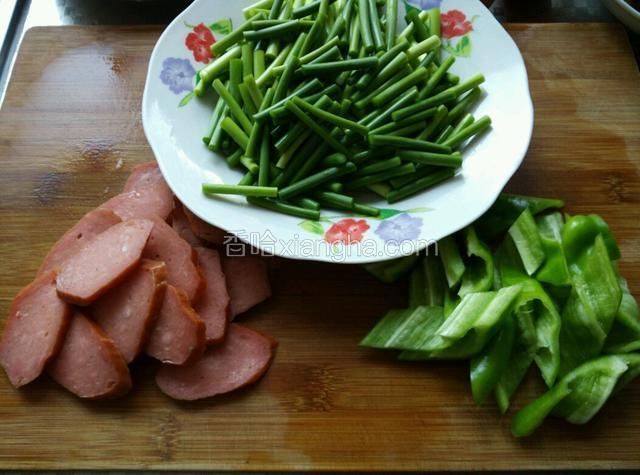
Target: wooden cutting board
point(69, 134)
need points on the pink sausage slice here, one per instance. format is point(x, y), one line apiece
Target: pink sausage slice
point(89, 365)
point(213, 306)
point(144, 203)
point(128, 312)
point(147, 174)
point(34, 331)
point(247, 282)
point(181, 259)
point(145, 195)
point(204, 230)
point(178, 336)
point(103, 262)
point(242, 359)
point(89, 226)
point(182, 226)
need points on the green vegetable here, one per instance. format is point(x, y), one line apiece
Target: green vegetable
point(477, 127)
point(405, 329)
point(308, 183)
point(315, 127)
point(332, 118)
point(234, 107)
point(264, 191)
point(452, 262)
point(524, 233)
point(478, 272)
point(507, 209)
point(235, 132)
point(405, 143)
point(392, 270)
point(420, 184)
point(453, 160)
point(624, 336)
point(580, 394)
point(338, 73)
point(470, 326)
point(554, 270)
point(365, 26)
point(315, 69)
point(364, 181)
point(538, 316)
point(488, 366)
point(589, 314)
point(392, 21)
point(284, 208)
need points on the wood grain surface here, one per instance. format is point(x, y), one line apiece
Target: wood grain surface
point(70, 132)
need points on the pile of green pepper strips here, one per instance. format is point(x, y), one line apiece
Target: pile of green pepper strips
point(321, 100)
point(546, 292)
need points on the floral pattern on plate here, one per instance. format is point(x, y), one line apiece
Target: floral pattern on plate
point(456, 27)
point(392, 226)
point(178, 73)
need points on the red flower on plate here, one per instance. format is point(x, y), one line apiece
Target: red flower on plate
point(455, 23)
point(199, 41)
point(347, 231)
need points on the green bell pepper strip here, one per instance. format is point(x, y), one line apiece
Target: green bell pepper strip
point(580, 231)
point(507, 209)
point(581, 336)
point(478, 274)
point(434, 281)
point(393, 270)
point(554, 270)
point(416, 287)
point(592, 274)
point(580, 394)
point(451, 301)
point(467, 330)
point(451, 260)
point(488, 366)
point(427, 283)
point(624, 336)
point(527, 240)
point(589, 313)
point(401, 329)
point(520, 359)
point(540, 308)
point(547, 323)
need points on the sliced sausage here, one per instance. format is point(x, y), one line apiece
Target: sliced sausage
point(178, 335)
point(89, 226)
point(181, 259)
point(204, 230)
point(89, 365)
point(247, 282)
point(145, 175)
point(34, 331)
point(128, 312)
point(182, 226)
point(242, 359)
point(103, 262)
point(146, 194)
point(213, 305)
point(144, 203)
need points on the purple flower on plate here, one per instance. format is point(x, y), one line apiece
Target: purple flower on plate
point(177, 74)
point(425, 4)
point(403, 227)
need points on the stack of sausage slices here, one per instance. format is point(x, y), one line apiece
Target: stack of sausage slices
point(123, 281)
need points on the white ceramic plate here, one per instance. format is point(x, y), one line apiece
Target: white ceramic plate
point(624, 12)
point(174, 122)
